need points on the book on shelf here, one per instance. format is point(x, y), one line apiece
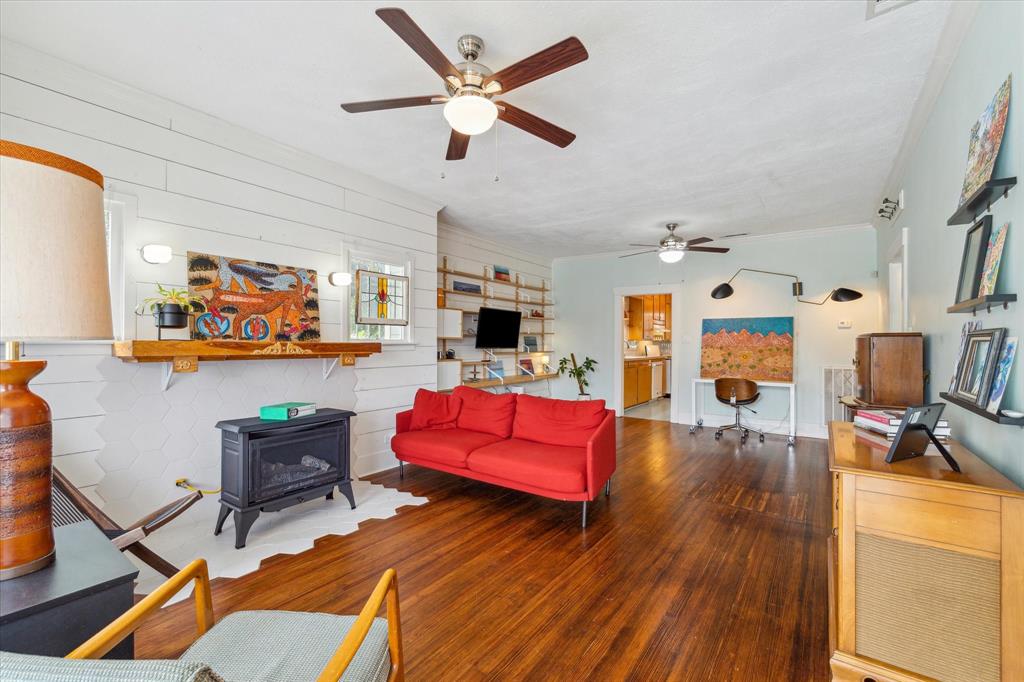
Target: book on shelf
point(874, 428)
point(889, 417)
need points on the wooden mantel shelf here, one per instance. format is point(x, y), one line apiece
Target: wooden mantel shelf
point(184, 356)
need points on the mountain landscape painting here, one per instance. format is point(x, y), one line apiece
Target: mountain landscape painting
point(755, 348)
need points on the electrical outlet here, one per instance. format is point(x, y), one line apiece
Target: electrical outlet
point(845, 324)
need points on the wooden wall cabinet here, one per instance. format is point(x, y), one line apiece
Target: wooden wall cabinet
point(927, 573)
point(890, 368)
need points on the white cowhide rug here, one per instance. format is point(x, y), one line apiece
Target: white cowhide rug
point(289, 531)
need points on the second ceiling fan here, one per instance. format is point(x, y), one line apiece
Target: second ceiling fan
point(672, 248)
point(470, 107)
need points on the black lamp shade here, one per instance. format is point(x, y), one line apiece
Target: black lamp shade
point(843, 295)
point(724, 290)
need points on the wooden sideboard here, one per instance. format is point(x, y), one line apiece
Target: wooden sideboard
point(926, 574)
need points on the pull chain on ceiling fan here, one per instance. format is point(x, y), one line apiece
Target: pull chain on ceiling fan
point(672, 248)
point(470, 107)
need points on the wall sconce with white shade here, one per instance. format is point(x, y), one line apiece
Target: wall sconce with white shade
point(157, 254)
point(839, 294)
point(340, 279)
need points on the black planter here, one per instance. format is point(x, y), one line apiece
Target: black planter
point(170, 316)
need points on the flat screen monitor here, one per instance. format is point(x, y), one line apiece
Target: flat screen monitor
point(497, 328)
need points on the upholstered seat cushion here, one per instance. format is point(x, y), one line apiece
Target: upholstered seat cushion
point(446, 446)
point(285, 646)
point(552, 467)
point(26, 668)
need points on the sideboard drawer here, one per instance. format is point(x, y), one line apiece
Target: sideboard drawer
point(936, 522)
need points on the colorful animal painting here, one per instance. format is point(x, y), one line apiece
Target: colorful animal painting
point(986, 138)
point(756, 348)
point(1002, 374)
point(251, 301)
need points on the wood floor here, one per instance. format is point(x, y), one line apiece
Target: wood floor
point(708, 562)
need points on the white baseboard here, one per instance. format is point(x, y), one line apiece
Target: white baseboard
point(771, 426)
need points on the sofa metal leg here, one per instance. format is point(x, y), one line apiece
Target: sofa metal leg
point(584, 514)
point(401, 470)
point(608, 487)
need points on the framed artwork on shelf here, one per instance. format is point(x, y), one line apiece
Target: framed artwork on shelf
point(993, 256)
point(1001, 377)
point(977, 367)
point(965, 331)
point(973, 260)
point(530, 343)
point(466, 287)
point(986, 138)
point(382, 299)
point(251, 301)
point(502, 273)
point(496, 370)
point(527, 364)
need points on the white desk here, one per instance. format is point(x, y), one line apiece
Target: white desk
point(698, 421)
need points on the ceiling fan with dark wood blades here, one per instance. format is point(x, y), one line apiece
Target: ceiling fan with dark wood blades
point(469, 106)
point(672, 248)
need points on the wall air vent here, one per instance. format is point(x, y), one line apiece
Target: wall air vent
point(877, 8)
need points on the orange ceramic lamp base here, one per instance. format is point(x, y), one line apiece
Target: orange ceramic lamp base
point(26, 476)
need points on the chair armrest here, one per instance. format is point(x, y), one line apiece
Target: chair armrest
point(387, 586)
point(403, 420)
point(131, 620)
point(601, 454)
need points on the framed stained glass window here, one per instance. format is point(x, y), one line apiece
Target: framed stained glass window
point(381, 298)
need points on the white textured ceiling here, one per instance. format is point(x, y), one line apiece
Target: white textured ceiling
point(727, 117)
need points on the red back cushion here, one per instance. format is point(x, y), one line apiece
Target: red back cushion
point(557, 422)
point(486, 412)
point(432, 410)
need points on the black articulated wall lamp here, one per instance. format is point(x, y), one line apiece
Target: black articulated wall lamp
point(839, 294)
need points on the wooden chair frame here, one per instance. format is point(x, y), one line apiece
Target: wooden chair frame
point(387, 588)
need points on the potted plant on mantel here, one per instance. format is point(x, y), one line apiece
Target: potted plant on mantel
point(171, 308)
point(578, 372)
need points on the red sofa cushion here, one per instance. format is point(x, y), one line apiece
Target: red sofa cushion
point(550, 467)
point(486, 412)
point(450, 446)
point(557, 422)
point(432, 410)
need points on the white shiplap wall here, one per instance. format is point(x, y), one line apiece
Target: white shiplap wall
point(470, 253)
point(197, 183)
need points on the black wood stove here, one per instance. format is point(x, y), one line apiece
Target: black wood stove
point(270, 465)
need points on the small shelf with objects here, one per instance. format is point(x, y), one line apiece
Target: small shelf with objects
point(981, 201)
point(985, 303)
point(981, 411)
point(182, 357)
point(461, 294)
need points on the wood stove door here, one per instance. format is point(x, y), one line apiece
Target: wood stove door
point(284, 463)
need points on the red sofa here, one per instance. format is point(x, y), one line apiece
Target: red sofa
point(560, 449)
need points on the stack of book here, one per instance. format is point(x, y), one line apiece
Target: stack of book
point(887, 422)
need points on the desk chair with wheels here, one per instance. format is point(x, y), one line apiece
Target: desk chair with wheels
point(739, 394)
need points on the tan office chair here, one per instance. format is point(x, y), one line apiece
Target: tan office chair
point(739, 394)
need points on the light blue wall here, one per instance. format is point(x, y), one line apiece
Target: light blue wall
point(823, 259)
point(931, 183)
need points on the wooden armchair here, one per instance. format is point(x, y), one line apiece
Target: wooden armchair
point(246, 646)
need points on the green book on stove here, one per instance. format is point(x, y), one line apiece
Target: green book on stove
point(285, 411)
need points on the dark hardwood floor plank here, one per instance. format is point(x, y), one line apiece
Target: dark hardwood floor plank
point(708, 562)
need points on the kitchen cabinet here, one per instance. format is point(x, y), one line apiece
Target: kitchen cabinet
point(635, 318)
point(643, 382)
point(629, 385)
point(648, 317)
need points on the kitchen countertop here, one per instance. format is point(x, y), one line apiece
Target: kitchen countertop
point(636, 358)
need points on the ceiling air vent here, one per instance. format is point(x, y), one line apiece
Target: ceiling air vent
point(877, 8)
point(738, 234)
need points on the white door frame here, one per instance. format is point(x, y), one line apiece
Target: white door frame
point(899, 253)
point(677, 342)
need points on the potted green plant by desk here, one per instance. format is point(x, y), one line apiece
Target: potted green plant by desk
point(171, 308)
point(578, 372)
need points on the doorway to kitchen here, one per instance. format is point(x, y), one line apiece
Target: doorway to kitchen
point(646, 356)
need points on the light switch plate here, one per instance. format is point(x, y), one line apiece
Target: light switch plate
point(845, 324)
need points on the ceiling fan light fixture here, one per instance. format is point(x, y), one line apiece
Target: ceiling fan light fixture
point(470, 114)
point(671, 255)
